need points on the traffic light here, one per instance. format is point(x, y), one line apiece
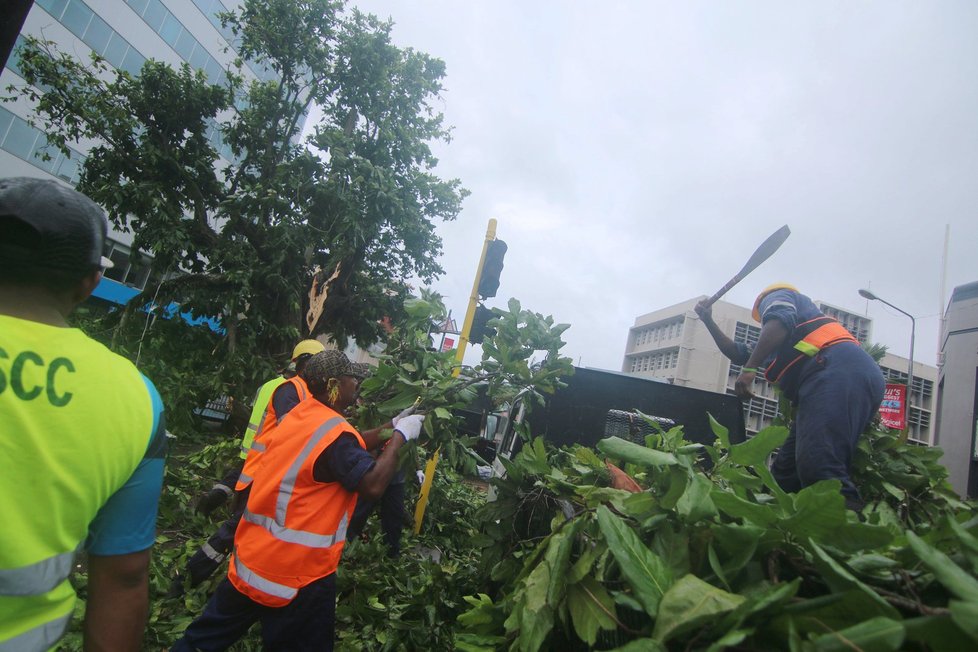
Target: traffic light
point(491, 267)
point(480, 330)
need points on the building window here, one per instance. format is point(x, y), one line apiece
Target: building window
point(746, 334)
point(29, 144)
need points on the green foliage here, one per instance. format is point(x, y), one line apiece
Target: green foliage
point(721, 558)
point(410, 372)
point(243, 239)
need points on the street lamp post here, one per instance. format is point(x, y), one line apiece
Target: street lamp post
point(866, 294)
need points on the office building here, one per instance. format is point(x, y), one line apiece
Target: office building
point(957, 404)
point(673, 345)
point(126, 33)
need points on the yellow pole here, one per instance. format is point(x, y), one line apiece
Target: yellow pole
point(463, 339)
point(429, 471)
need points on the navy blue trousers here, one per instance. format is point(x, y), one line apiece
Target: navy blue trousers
point(392, 516)
point(307, 623)
point(839, 392)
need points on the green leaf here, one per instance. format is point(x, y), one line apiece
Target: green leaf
point(723, 435)
point(624, 450)
point(556, 557)
point(690, 603)
point(820, 513)
point(442, 413)
point(755, 451)
point(969, 543)
point(644, 571)
point(946, 571)
point(965, 616)
point(591, 609)
point(875, 635)
point(841, 580)
point(641, 645)
point(736, 507)
point(938, 633)
point(695, 504)
point(737, 543)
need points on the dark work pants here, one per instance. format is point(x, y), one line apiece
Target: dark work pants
point(215, 550)
point(839, 393)
point(392, 516)
point(305, 624)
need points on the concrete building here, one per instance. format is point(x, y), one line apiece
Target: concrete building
point(673, 346)
point(957, 403)
point(126, 33)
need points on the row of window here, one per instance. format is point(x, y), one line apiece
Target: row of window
point(653, 361)
point(658, 333)
point(84, 23)
point(211, 9)
point(855, 324)
point(22, 140)
point(130, 270)
point(762, 407)
point(746, 334)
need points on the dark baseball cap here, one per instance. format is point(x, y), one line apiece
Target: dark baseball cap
point(67, 229)
point(328, 364)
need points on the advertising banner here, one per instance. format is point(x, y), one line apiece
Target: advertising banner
point(893, 410)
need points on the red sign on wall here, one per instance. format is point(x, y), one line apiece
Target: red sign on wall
point(448, 344)
point(893, 410)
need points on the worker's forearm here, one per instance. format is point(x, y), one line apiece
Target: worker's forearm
point(118, 602)
point(375, 481)
point(773, 334)
point(725, 344)
point(372, 437)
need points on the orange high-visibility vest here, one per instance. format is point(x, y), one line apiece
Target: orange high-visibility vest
point(293, 530)
point(807, 339)
point(269, 421)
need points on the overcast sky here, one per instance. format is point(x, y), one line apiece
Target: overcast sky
point(635, 153)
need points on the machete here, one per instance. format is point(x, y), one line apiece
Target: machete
point(767, 248)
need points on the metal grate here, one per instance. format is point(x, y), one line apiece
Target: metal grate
point(632, 426)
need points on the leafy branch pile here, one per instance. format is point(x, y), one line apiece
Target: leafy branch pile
point(411, 371)
point(722, 558)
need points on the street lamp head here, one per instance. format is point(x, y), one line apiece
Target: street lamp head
point(866, 294)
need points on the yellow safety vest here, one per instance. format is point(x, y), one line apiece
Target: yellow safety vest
point(258, 410)
point(75, 421)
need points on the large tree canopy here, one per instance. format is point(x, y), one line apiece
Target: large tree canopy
point(353, 205)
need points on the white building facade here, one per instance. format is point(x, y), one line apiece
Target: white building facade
point(673, 345)
point(957, 411)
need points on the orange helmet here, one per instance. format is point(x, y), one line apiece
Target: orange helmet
point(756, 312)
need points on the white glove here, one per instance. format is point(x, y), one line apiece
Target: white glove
point(410, 426)
point(404, 413)
point(420, 475)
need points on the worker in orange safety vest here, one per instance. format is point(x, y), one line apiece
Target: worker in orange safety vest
point(293, 530)
point(834, 385)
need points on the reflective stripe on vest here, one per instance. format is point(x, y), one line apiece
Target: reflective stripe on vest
point(259, 411)
point(261, 583)
point(268, 421)
point(807, 339)
point(82, 418)
point(308, 539)
point(41, 637)
point(37, 578)
point(276, 527)
point(294, 528)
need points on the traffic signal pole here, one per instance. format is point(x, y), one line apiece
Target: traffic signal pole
point(463, 340)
